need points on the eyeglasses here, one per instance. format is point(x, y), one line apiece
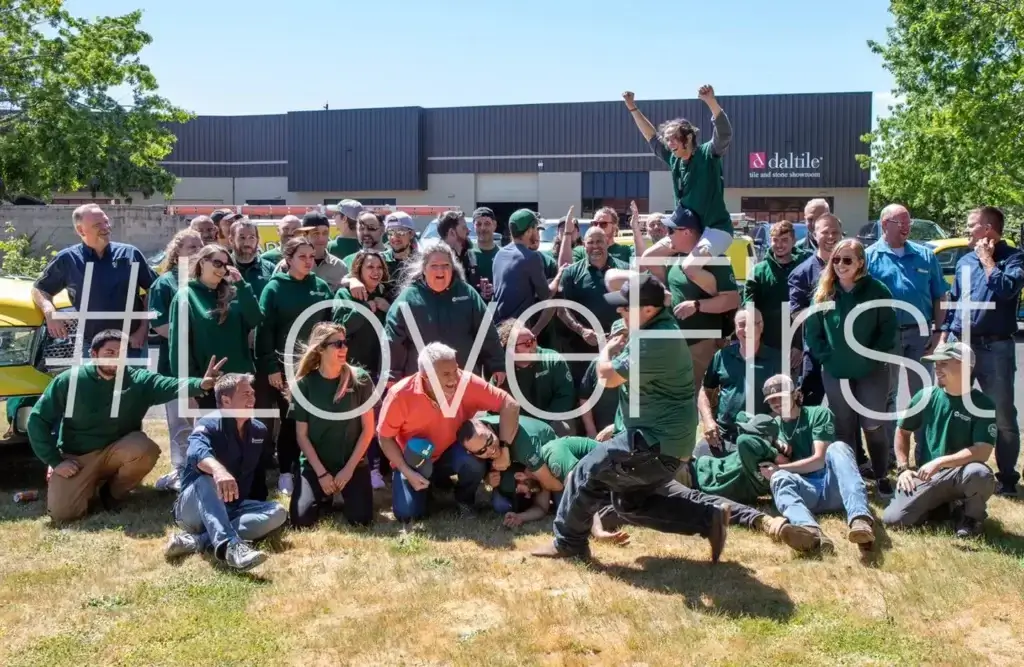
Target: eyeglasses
point(372, 230)
point(337, 344)
point(217, 263)
point(845, 261)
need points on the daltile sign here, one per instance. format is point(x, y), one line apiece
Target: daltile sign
point(765, 166)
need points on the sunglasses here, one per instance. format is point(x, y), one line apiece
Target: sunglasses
point(218, 263)
point(486, 448)
point(845, 261)
point(337, 344)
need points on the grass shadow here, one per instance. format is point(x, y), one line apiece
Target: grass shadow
point(146, 513)
point(727, 589)
point(999, 539)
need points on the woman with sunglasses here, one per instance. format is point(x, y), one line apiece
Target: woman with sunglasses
point(184, 244)
point(332, 463)
point(846, 284)
point(221, 310)
point(284, 299)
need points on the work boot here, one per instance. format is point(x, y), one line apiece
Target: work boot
point(861, 532)
point(551, 550)
point(781, 530)
point(967, 527)
point(719, 530)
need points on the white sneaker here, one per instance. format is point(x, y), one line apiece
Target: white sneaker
point(376, 479)
point(286, 483)
point(168, 482)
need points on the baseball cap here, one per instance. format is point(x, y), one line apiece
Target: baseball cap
point(682, 218)
point(778, 385)
point(417, 454)
point(763, 426)
point(651, 293)
point(399, 220)
point(223, 214)
point(349, 208)
point(950, 351)
point(522, 220)
point(483, 212)
point(314, 219)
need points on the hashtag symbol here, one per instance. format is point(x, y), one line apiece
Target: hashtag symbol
point(79, 358)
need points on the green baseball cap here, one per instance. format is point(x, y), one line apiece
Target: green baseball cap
point(760, 425)
point(951, 351)
point(522, 220)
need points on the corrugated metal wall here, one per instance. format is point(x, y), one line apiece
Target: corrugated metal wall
point(224, 146)
point(615, 185)
point(361, 149)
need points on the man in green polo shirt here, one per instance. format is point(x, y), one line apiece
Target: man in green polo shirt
point(371, 234)
point(93, 449)
point(729, 374)
point(952, 480)
point(543, 384)
point(636, 469)
point(245, 240)
point(347, 241)
point(484, 249)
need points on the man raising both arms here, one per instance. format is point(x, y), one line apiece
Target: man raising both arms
point(697, 181)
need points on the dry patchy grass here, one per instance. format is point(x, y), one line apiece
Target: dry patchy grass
point(462, 593)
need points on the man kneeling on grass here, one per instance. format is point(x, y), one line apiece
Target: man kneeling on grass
point(952, 480)
point(90, 450)
point(223, 457)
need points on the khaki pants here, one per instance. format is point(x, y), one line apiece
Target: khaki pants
point(122, 464)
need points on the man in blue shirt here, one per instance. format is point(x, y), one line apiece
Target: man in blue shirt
point(519, 279)
point(110, 291)
point(913, 275)
point(223, 459)
point(995, 272)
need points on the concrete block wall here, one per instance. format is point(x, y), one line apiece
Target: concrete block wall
point(146, 227)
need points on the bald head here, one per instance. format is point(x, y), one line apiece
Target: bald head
point(287, 227)
point(896, 212)
point(815, 209)
point(895, 220)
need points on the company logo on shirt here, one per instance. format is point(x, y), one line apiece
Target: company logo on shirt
point(556, 469)
point(533, 461)
point(257, 441)
point(992, 430)
point(456, 299)
point(540, 373)
point(961, 416)
point(828, 429)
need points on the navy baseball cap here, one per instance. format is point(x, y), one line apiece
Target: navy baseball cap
point(650, 293)
point(682, 218)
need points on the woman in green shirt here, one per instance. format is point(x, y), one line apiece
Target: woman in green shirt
point(332, 465)
point(845, 283)
point(221, 310)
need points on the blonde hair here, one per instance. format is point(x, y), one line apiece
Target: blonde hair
point(225, 291)
point(309, 362)
point(827, 282)
point(173, 250)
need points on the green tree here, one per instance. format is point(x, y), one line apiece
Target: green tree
point(956, 140)
point(62, 126)
point(16, 256)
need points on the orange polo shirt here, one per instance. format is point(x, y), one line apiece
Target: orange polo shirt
point(408, 411)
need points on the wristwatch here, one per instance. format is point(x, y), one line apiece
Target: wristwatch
point(902, 469)
point(696, 305)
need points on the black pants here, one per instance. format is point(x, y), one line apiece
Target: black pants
point(309, 502)
point(284, 442)
point(812, 387)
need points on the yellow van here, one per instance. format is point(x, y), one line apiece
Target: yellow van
point(949, 252)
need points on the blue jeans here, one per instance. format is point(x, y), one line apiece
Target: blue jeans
point(995, 369)
point(200, 511)
point(410, 504)
point(839, 488)
point(912, 346)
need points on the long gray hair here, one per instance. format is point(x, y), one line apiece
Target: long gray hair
point(413, 271)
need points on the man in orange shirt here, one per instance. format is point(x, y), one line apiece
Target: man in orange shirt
point(412, 412)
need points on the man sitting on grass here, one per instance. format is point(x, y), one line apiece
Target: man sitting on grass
point(223, 457)
point(90, 450)
point(952, 479)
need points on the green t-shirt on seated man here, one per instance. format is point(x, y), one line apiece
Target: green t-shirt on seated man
point(949, 424)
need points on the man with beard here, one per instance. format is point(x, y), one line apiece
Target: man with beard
point(91, 452)
point(452, 229)
point(655, 227)
point(223, 219)
point(206, 228)
point(245, 239)
point(286, 229)
point(401, 231)
point(371, 232)
point(484, 250)
point(544, 383)
point(519, 278)
point(317, 228)
point(346, 215)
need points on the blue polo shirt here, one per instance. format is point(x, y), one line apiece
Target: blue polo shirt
point(914, 278)
point(1002, 288)
point(519, 280)
point(110, 278)
point(216, 436)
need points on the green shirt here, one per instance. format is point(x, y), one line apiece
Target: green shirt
point(484, 261)
point(698, 184)
point(281, 303)
point(208, 336)
point(343, 246)
point(333, 439)
point(875, 328)
point(621, 252)
point(603, 413)
point(257, 273)
point(684, 290)
point(161, 292)
point(728, 371)
point(579, 253)
point(583, 283)
point(768, 289)
point(351, 257)
point(562, 454)
point(91, 426)
point(814, 423)
point(668, 411)
point(949, 425)
point(737, 475)
point(546, 383)
point(364, 342)
point(273, 256)
point(525, 447)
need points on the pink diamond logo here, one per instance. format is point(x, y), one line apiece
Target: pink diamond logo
point(758, 160)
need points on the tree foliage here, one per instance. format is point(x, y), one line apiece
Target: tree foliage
point(62, 126)
point(16, 256)
point(956, 140)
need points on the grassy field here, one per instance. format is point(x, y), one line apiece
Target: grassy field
point(467, 593)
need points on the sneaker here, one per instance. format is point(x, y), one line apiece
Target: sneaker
point(1007, 490)
point(286, 483)
point(168, 482)
point(376, 479)
point(967, 528)
point(885, 490)
point(719, 530)
point(866, 471)
point(861, 532)
point(242, 557)
point(181, 544)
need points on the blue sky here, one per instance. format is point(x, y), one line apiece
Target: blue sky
point(228, 57)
